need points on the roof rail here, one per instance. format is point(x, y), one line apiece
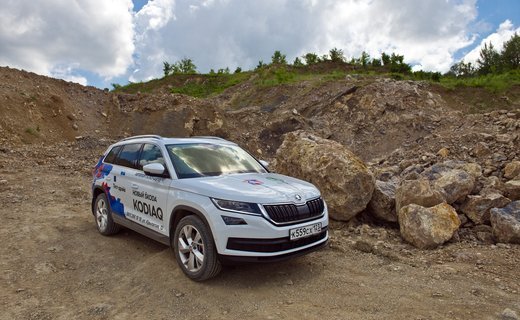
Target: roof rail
point(208, 137)
point(153, 136)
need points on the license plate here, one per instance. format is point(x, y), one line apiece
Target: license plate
point(305, 231)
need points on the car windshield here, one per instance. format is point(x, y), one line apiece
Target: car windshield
point(203, 159)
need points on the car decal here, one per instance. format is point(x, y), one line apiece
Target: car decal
point(101, 170)
point(254, 182)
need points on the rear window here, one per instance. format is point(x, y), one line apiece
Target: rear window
point(128, 155)
point(111, 157)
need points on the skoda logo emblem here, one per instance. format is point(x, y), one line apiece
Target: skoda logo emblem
point(298, 197)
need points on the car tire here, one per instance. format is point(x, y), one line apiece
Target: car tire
point(194, 249)
point(103, 215)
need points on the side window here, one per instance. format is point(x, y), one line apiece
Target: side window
point(150, 154)
point(111, 157)
point(128, 155)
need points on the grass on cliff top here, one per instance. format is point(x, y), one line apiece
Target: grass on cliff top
point(206, 85)
point(491, 82)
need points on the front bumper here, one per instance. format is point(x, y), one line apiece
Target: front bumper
point(259, 239)
point(233, 260)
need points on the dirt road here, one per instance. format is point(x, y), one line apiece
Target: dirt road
point(55, 265)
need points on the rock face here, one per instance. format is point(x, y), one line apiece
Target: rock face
point(512, 170)
point(382, 205)
point(506, 223)
point(456, 184)
point(417, 192)
point(477, 207)
point(512, 189)
point(344, 180)
point(427, 228)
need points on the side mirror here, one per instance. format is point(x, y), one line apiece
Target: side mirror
point(153, 169)
point(264, 163)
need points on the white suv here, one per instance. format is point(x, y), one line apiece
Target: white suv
point(207, 198)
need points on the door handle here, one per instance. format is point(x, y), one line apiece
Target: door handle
point(134, 186)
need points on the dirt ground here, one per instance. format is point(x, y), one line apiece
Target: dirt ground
point(55, 265)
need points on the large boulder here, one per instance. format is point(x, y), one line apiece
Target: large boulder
point(506, 223)
point(512, 189)
point(344, 180)
point(512, 169)
point(456, 184)
point(417, 192)
point(382, 204)
point(427, 228)
point(477, 207)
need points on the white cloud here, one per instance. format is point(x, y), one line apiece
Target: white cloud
point(220, 33)
point(70, 39)
point(67, 73)
point(91, 35)
point(504, 32)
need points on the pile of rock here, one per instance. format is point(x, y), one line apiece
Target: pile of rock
point(430, 203)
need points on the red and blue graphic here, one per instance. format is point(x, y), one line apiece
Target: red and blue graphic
point(101, 170)
point(254, 182)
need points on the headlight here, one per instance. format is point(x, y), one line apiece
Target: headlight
point(237, 206)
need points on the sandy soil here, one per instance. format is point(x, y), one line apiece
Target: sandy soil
point(55, 265)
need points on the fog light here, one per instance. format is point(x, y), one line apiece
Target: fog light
point(233, 220)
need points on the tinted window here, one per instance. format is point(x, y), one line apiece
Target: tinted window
point(150, 154)
point(128, 155)
point(111, 157)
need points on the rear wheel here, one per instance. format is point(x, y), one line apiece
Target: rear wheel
point(106, 226)
point(194, 249)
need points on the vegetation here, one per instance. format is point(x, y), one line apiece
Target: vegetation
point(495, 71)
point(183, 66)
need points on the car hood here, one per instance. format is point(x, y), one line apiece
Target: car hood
point(251, 187)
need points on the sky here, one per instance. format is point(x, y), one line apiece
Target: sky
point(99, 43)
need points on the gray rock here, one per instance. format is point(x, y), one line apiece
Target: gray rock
point(512, 189)
point(344, 180)
point(506, 223)
point(456, 184)
point(477, 207)
point(382, 204)
point(512, 169)
point(427, 228)
point(508, 314)
point(417, 192)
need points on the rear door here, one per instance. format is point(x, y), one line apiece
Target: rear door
point(125, 167)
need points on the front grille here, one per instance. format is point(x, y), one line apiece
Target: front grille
point(272, 245)
point(286, 213)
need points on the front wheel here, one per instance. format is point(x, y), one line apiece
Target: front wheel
point(195, 250)
point(106, 226)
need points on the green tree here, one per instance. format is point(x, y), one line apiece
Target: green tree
point(238, 70)
point(186, 66)
point(297, 62)
point(489, 60)
point(211, 71)
point(385, 59)
point(462, 69)
point(364, 59)
point(311, 58)
point(223, 71)
point(510, 55)
point(116, 86)
point(336, 55)
point(278, 58)
point(260, 65)
point(167, 68)
point(376, 62)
